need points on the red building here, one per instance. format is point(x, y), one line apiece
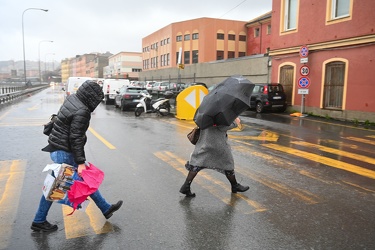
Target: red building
point(259, 35)
point(338, 38)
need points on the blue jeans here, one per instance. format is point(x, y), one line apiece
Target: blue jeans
point(60, 157)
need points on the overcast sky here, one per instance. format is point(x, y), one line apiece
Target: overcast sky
point(77, 27)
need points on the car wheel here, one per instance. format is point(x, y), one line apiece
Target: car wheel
point(107, 100)
point(282, 110)
point(259, 107)
point(138, 111)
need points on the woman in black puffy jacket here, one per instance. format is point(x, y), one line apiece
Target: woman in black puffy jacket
point(66, 145)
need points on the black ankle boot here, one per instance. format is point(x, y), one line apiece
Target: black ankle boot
point(239, 188)
point(185, 189)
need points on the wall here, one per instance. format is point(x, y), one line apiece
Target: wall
point(254, 68)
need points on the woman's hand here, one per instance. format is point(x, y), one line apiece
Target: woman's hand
point(238, 121)
point(81, 167)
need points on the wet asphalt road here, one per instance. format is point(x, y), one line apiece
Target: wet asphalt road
point(312, 184)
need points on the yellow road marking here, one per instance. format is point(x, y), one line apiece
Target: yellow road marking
point(300, 194)
point(355, 185)
point(336, 151)
point(34, 107)
point(177, 164)
point(361, 140)
point(89, 222)
point(324, 160)
point(5, 114)
point(13, 172)
point(105, 142)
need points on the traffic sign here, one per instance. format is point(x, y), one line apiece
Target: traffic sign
point(303, 82)
point(303, 91)
point(303, 51)
point(304, 70)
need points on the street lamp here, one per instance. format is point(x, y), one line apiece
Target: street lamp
point(40, 74)
point(23, 40)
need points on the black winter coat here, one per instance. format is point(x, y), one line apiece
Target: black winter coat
point(73, 120)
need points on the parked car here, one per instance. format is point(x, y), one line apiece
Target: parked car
point(176, 87)
point(110, 86)
point(160, 87)
point(268, 96)
point(74, 83)
point(149, 85)
point(196, 83)
point(128, 97)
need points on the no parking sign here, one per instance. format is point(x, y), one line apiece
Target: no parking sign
point(303, 82)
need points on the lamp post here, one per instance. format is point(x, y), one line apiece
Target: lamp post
point(40, 74)
point(23, 40)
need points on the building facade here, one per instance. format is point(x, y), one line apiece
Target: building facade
point(87, 65)
point(326, 49)
point(194, 41)
point(259, 34)
point(124, 65)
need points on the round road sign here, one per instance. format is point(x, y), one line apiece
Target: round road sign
point(303, 82)
point(304, 51)
point(304, 70)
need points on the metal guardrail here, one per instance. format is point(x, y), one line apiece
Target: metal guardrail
point(10, 93)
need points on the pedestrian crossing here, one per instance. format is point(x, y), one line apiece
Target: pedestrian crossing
point(12, 174)
point(337, 157)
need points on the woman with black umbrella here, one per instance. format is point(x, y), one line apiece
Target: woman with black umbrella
point(212, 151)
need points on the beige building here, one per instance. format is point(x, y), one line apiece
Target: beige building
point(124, 65)
point(199, 40)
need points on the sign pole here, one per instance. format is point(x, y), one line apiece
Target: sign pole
point(303, 81)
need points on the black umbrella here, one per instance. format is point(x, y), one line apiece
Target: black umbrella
point(224, 103)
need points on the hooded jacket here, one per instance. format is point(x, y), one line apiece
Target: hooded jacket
point(73, 120)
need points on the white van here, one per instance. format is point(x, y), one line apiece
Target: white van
point(74, 83)
point(110, 86)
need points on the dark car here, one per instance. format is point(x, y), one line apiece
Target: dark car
point(268, 96)
point(196, 83)
point(128, 97)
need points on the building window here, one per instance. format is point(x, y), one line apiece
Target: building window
point(220, 36)
point(187, 37)
point(256, 32)
point(186, 57)
point(290, 14)
point(340, 8)
point(268, 29)
point(219, 55)
point(195, 36)
point(168, 40)
point(178, 38)
point(168, 59)
point(241, 54)
point(334, 85)
point(242, 38)
point(230, 54)
point(195, 56)
point(231, 37)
